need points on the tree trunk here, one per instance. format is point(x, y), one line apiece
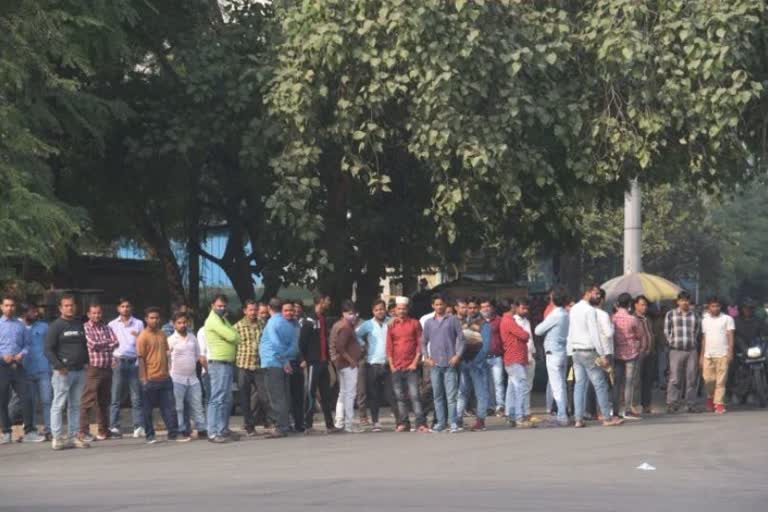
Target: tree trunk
point(159, 246)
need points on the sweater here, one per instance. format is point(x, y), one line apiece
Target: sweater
point(65, 344)
point(222, 339)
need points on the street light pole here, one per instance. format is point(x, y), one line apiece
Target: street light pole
point(633, 229)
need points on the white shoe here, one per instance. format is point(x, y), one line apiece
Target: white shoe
point(139, 433)
point(6, 439)
point(33, 437)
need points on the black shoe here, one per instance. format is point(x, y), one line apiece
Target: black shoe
point(219, 440)
point(202, 434)
point(232, 436)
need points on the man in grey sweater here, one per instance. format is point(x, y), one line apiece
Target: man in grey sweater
point(442, 345)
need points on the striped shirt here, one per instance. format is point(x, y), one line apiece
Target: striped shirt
point(682, 329)
point(102, 342)
point(248, 349)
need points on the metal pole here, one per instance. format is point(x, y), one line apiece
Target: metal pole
point(633, 229)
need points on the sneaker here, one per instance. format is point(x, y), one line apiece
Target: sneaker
point(579, 424)
point(115, 433)
point(218, 440)
point(377, 427)
point(719, 409)
point(102, 436)
point(59, 443)
point(81, 442)
point(632, 416)
point(455, 429)
point(437, 429)
point(353, 430)
point(32, 437)
point(251, 432)
point(151, 440)
point(710, 405)
point(613, 422)
point(87, 437)
point(6, 439)
point(139, 432)
point(500, 412)
point(183, 439)
point(232, 436)
point(479, 426)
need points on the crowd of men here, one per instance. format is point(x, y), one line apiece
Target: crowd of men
point(469, 354)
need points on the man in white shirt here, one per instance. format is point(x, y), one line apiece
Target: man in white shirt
point(184, 355)
point(125, 370)
point(521, 317)
point(716, 354)
point(585, 345)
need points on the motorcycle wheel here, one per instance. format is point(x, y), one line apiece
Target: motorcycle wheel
point(760, 386)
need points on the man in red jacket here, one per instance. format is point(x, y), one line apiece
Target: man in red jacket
point(514, 340)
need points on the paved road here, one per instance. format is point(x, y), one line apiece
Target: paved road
point(703, 463)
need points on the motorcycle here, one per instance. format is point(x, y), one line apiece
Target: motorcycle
point(751, 374)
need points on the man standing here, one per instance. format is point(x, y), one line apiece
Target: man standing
point(516, 358)
point(38, 373)
point(348, 353)
point(628, 345)
point(125, 372)
point(67, 351)
point(98, 375)
point(205, 378)
point(157, 387)
point(184, 352)
point(586, 346)
point(647, 359)
point(554, 329)
point(403, 354)
point(275, 349)
point(373, 334)
point(443, 341)
point(682, 327)
point(474, 370)
point(222, 341)
point(296, 377)
point(14, 346)
point(250, 377)
point(314, 346)
point(522, 312)
point(716, 354)
point(495, 362)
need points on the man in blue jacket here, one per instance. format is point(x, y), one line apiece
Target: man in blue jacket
point(279, 343)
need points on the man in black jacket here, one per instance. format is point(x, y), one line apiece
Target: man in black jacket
point(67, 350)
point(314, 341)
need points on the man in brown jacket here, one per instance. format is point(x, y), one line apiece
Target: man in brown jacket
point(346, 356)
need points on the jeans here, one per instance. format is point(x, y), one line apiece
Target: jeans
point(251, 385)
point(402, 379)
point(624, 377)
point(318, 379)
point(378, 387)
point(205, 382)
point(277, 389)
point(556, 367)
point(125, 377)
point(220, 404)
point(296, 386)
point(445, 386)
point(496, 381)
point(517, 388)
point(682, 367)
point(585, 368)
point(13, 377)
point(39, 388)
point(96, 395)
point(472, 376)
point(67, 391)
point(188, 399)
point(345, 406)
point(159, 393)
point(362, 389)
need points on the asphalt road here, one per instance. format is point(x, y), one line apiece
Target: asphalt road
point(704, 462)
